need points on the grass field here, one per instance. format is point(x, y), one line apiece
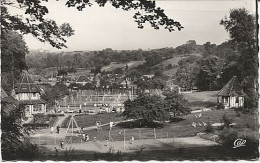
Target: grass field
point(181, 128)
point(202, 99)
point(114, 65)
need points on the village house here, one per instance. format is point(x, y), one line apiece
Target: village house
point(82, 80)
point(231, 95)
point(28, 94)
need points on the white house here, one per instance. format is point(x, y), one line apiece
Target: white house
point(231, 95)
point(28, 94)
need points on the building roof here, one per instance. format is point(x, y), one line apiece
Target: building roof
point(232, 88)
point(26, 85)
point(3, 93)
point(6, 98)
point(32, 102)
point(82, 79)
point(9, 101)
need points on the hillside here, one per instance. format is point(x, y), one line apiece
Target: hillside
point(113, 65)
point(174, 62)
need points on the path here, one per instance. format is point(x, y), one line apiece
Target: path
point(146, 144)
point(60, 120)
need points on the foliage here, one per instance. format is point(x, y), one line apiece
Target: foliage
point(220, 106)
point(13, 50)
point(55, 92)
point(155, 83)
point(247, 61)
point(175, 103)
point(209, 128)
point(187, 71)
point(110, 155)
point(146, 107)
point(227, 120)
point(188, 48)
point(209, 69)
point(228, 136)
point(15, 143)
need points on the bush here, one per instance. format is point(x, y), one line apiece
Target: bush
point(209, 128)
point(249, 150)
point(22, 151)
point(220, 106)
point(226, 120)
point(227, 137)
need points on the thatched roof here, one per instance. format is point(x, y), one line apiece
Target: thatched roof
point(26, 85)
point(232, 88)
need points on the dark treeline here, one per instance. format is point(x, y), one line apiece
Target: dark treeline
point(90, 59)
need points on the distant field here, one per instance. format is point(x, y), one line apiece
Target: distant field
point(81, 72)
point(202, 99)
point(114, 65)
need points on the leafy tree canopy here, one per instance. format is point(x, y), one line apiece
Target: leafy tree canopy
point(175, 103)
point(147, 107)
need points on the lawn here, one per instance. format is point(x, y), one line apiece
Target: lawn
point(181, 128)
point(202, 99)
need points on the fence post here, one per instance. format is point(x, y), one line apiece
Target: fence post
point(140, 134)
point(173, 141)
point(154, 133)
point(124, 139)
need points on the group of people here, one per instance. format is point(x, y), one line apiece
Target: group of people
point(58, 129)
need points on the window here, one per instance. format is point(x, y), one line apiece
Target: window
point(237, 99)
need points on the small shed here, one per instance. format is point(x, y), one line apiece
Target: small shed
point(231, 95)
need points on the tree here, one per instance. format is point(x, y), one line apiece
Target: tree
point(208, 49)
point(133, 74)
point(13, 50)
point(188, 69)
point(148, 108)
point(209, 70)
point(242, 28)
point(55, 92)
point(175, 103)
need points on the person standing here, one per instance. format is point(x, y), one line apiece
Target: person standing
point(84, 136)
point(58, 129)
point(62, 144)
point(51, 129)
point(87, 138)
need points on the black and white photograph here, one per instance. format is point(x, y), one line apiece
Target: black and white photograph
point(129, 80)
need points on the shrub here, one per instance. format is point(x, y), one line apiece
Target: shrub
point(220, 106)
point(226, 120)
point(209, 128)
point(228, 136)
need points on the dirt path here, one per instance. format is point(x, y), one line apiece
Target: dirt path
point(60, 120)
point(128, 146)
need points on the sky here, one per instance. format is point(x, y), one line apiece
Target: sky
point(97, 28)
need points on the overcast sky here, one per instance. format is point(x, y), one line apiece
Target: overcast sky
point(98, 28)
